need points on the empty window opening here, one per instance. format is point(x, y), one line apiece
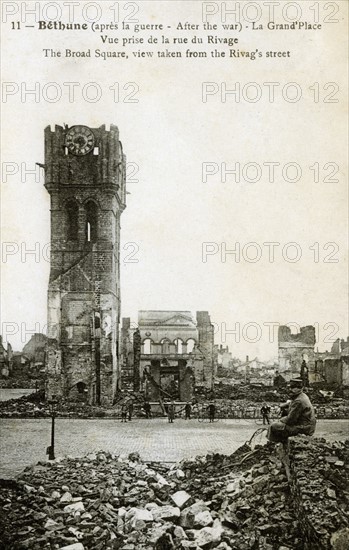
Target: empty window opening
point(91, 222)
point(178, 343)
point(81, 387)
point(147, 346)
point(190, 345)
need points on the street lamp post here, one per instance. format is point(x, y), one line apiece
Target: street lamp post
point(51, 450)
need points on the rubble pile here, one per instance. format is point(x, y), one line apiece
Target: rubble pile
point(256, 394)
point(20, 381)
point(35, 406)
point(239, 501)
point(28, 406)
point(251, 496)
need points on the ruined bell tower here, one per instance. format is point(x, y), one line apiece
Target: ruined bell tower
point(85, 177)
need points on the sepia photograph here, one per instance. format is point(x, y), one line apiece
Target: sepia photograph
point(174, 336)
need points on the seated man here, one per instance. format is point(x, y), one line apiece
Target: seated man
point(300, 418)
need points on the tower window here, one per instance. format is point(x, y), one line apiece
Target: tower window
point(91, 222)
point(72, 220)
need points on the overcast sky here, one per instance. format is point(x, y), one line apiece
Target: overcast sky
point(171, 211)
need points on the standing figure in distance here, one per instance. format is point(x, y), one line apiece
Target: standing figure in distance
point(147, 409)
point(265, 411)
point(187, 410)
point(211, 411)
point(123, 413)
point(130, 410)
point(171, 412)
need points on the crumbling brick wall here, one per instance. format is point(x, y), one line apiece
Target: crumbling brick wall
point(206, 345)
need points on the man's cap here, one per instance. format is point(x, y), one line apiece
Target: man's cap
point(296, 383)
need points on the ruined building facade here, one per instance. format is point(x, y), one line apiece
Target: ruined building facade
point(332, 366)
point(85, 177)
point(294, 349)
point(168, 353)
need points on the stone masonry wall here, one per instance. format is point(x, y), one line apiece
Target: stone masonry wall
point(319, 479)
point(87, 191)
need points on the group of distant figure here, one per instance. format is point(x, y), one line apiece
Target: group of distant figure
point(297, 415)
point(127, 411)
point(211, 409)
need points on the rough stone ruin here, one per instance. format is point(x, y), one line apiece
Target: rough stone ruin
point(294, 349)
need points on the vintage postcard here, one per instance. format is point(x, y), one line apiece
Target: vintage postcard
point(174, 255)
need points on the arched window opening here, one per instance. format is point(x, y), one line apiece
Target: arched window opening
point(190, 345)
point(81, 387)
point(72, 221)
point(178, 343)
point(91, 222)
point(147, 346)
point(165, 346)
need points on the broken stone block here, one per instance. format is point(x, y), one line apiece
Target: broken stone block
point(156, 532)
point(161, 480)
point(203, 519)
point(122, 512)
point(179, 533)
point(139, 513)
point(166, 512)
point(74, 507)
point(151, 506)
point(180, 498)
point(187, 518)
point(234, 486)
point(50, 524)
point(208, 535)
point(66, 497)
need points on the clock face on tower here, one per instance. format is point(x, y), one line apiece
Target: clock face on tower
point(79, 140)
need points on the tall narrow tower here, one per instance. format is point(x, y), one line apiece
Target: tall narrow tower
point(85, 177)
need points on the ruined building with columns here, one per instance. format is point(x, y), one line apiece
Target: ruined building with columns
point(167, 353)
